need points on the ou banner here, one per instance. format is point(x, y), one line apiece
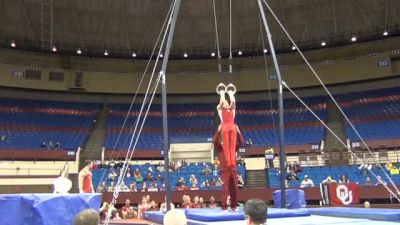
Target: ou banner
point(343, 194)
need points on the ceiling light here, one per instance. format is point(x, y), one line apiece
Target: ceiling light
point(13, 44)
point(293, 48)
point(185, 55)
point(240, 52)
point(134, 55)
point(54, 49)
point(105, 53)
point(161, 55)
point(323, 43)
point(385, 33)
point(353, 39)
point(78, 51)
point(212, 54)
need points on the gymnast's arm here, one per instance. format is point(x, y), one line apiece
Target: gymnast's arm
point(232, 99)
point(80, 181)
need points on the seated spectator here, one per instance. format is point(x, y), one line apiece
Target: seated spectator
point(212, 203)
point(178, 166)
point(196, 203)
point(202, 203)
point(380, 181)
point(162, 188)
point(184, 163)
point(240, 181)
point(367, 205)
point(128, 172)
point(144, 187)
point(163, 206)
point(4, 138)
point(389, 166)
point(291, 175)
point(206, 171)
point(394, 170)
point(104, 210)
point(149, 177)
point(181, 181)
point(43, 145)
point(143, 207)
point(159, 177)
point(113, 175)
point(205, 184)
point(194, 187)
point(87, 217)
point(171, 166)
point(307, 182)
point(175, 217)
point(138, 176)
point(153, 206)
point(255, 212)
point(128, 211)
point(153, 187)
point(160, 167)
point(150, 169)
point(216, 163)
point(213, 183)
point(132, 187)
point(344, 180)
point(297, 168)
point(57, 145)
point(111, 187)
point(240, 161)
point(368, 181)
point(187, 204)
point(219, 182)
point(329, 180)
point(102, 187)
point(50, 145)
point(117, 217)
point(111, 164)
point(193, 179)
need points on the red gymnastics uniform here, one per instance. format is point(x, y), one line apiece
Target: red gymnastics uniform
point(87, 183)
point(229, 136)
point(228, 174)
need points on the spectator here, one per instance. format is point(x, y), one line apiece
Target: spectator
point(344, 180)
point(162, 188)
point(124, 187)
point(87, 217)
point(329, 180)
point(394, 170)
point(102, 187)
point(206, 171)
point(201, 202)
point(149, 176)
point(240, 181)
point(212, 203)
point(175, 217)
point(219, 182)
point(159, 177)
point(307, 182)
point(104, 210)
point(193, 179)
point(216, 163)
point(194, 187)
point(184, 163)
point(113, 175)
point(128, 211)
point(181, 182)
point(187, 204)
point(128, 172)
point(269, 157)
point(132, 187)
point(111, 187)
point(160, 167)
point(143, 207)
point(178, 166)
point(292, 176)
point(43, 145)
point(150, 169)
point(57, 145)
point(240, 161)
point(144, 187)
point(138, 176)
point(196, 203)
point(255, 212)
point(213, 183)
point(3, 138)
point(367, 205)
point(205, 184)
point(153, 206)
point(368, 181)
point(163, 206)
point(153, 187)
point(297, 168)
point(117, 217)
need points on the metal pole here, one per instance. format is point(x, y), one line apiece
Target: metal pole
point(282, 155)
point(164, 101)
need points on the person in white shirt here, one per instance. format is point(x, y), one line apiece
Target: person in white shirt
point(307, 182)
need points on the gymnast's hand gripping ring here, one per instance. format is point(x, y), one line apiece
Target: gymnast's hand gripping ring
point(220, 87)
point(231, 87)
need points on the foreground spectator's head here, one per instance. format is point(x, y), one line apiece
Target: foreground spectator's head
point(255, 212)
point(87, 217)
point(175, 217)
point(367, 205)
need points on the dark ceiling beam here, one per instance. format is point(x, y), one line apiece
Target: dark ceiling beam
point(28, 21)
point(364, 16)
point(123, 13)
point(191, 25)
point(310, 16)
point(238, 24)
point(107, 10)
point(333, 4)
point(151, 25)
point(386, 13)
point(78, 24)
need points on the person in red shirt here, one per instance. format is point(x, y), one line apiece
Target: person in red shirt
point(228, 174)
point(85, 178)
point(196, 203)
point(187, 204)
point(143, 207)
point(128, 211)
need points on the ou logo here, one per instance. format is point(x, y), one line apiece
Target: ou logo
point(344, 195)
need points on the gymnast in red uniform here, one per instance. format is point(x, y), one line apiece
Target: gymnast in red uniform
point(85, 178)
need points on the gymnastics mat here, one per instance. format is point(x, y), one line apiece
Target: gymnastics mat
point(45, 209)
point(373, 214)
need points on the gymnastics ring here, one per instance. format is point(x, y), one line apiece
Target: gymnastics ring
point(231, 87)
point(220, 86)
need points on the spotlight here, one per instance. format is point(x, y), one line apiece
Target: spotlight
point(385, 33)
point(212, 54)
point(293, 48)
point(353, 39)
point(240, 52)
point(323, 43)
point(78, 51)
point(265, 50)
point(105, 53)
point(161, 55)
point(185, 55)
point(134, 55)
point(54, 49)
point(13, 44)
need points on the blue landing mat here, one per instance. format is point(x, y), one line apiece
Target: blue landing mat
point(216, 214)
point(373, 214)
point(45, 209)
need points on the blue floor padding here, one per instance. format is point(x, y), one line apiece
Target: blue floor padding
point(373, 214)
point(216, 214)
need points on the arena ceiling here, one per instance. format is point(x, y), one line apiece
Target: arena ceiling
point(125, 26)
